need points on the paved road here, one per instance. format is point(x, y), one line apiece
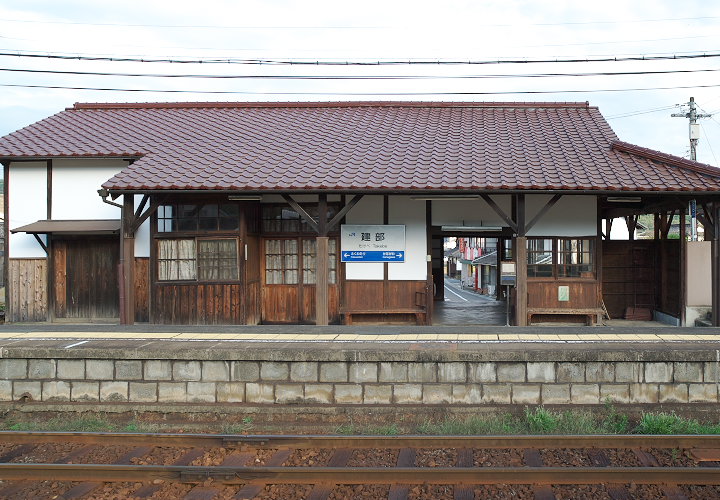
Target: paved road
point(464, 307)
point(455, 293)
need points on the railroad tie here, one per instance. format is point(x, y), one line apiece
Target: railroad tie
point(204, 492)
point(251, 490)
point(406, 458)
point(339, 458)
point(148, 490)
point(534, 459)
point(17, 451)
point(464, 459)
point(82, 489)
point(616, 491)
point(647, 459)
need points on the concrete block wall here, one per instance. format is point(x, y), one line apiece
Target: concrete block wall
point(265, 376)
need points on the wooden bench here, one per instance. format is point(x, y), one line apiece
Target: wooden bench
point(593, 315)
point(419, 313)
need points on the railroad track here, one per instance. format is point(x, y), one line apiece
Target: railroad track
point(194, 466)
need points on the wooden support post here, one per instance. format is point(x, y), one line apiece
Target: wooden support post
point(715, 265)
point(521, 281)
point(322, 264)
point(521, 297)
point(683, 266)
point(321, 281)
point(127, 261)
point(430, 285)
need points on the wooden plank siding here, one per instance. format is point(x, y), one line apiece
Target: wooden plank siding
point(142, 289)
point(197, 303)
point(641, 273)
point(544, 294)
point(253, 280)
point(387, 297)
point(27, 287)
point(86, 278)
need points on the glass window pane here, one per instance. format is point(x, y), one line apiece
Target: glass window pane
point(217, 260)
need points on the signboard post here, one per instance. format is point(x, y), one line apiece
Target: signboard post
point(372, 243)
point(508, 277)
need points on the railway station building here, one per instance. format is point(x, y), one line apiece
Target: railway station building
point(327, 213)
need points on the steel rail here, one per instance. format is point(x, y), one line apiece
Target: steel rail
point(363, 475)
point(365, 442)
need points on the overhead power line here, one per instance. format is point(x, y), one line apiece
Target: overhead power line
point(237, 92)
point(284, 27)
point(355, 77)
point(639, 112)
point(409, 62)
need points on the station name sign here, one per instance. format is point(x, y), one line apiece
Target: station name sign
point(364, 243)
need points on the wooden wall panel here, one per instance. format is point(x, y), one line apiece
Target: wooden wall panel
point(363, 295)
point(252, 303)
point(281, 304)
point(142, 289)
point(92, 278)
point(544, 294)
point(641, 273)
point(197, 304)
point(27, 290)
point(308, 304)
point(403, 294)
point(59, 250)
point(253, 278)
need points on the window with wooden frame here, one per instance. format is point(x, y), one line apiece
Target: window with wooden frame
point(561, 257)
point(283, 219)
point(575, 258)
point(197, 259)
point(540, 258)
point(185, 217)
point(286, 264)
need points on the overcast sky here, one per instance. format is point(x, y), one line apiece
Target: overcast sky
point(373, 31)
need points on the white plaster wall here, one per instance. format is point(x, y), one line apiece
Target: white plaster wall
point(27, 198)
point(369, 210)
point(75, 185)
point(699, 279)
point(570, 216)
point(474, 212)
point(403, 210)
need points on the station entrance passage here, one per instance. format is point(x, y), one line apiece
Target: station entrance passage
point(465, 307)
point(465, 285)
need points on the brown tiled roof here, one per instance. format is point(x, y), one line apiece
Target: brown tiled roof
point(357, 146)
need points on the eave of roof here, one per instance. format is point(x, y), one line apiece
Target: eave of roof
point(85, 226)
point(358, 147)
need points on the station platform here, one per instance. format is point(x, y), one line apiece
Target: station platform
point(619, 332)
point(340, 369)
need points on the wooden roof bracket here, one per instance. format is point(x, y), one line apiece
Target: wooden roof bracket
point(301, 211)
point(551, 202)
point(42, 244)
point(500, 212)
point(343, 212)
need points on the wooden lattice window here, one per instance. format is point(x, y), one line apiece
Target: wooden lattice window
point(309, 261)
point(176, 260)
point(217, 259)
point(197, 259)
point(283, 219)
point(540, 258)
point(575, 258)
point(181, 217)
point(281, 262)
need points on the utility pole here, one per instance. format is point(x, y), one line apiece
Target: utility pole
point(694, 133)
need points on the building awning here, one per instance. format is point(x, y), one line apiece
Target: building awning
point(101, 226)
point(489, 259)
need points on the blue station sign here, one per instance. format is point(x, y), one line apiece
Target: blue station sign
point(373, 256)
point(372, 243)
